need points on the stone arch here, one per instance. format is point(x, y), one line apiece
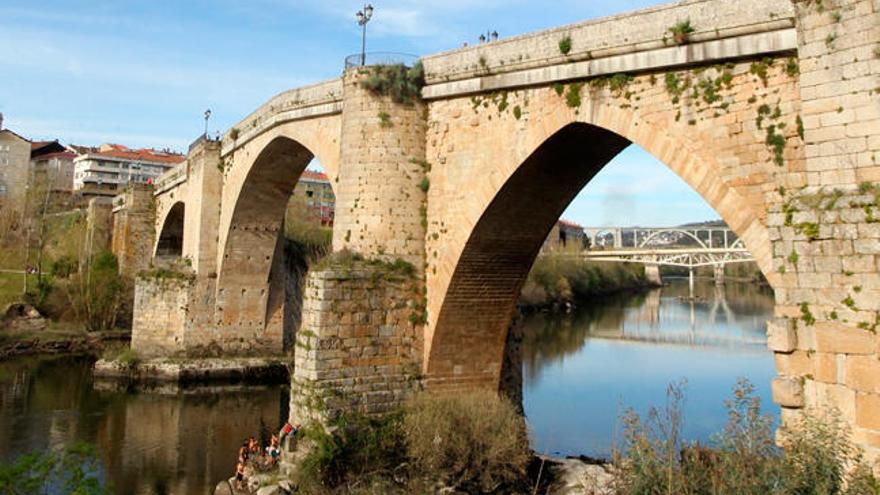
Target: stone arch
point(469, 319)
point(252, 240)
point(170, 240)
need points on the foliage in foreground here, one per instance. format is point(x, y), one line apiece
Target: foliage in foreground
point(818, 457)
point(73, 471)
point(473, 442)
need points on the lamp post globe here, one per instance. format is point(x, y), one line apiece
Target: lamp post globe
point(363, 17)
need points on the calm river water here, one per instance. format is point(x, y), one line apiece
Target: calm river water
point(579, 373)
point(583, 370)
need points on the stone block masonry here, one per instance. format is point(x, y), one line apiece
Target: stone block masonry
point(380, 198)
point(359, 346)
point(134, 231)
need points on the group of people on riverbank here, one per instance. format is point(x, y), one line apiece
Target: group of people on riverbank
point(255, 457)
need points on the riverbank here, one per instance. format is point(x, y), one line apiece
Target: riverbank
point(133, 370)
point(559, 280)
point(50, 341)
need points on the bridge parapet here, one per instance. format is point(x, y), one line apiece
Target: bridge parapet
point(171, 179)
point(324, 98)
point(627, 33)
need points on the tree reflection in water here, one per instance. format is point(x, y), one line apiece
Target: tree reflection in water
point(580, 370)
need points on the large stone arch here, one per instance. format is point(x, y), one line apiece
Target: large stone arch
point(500, 189)
point(251, 237)
point(169, 242)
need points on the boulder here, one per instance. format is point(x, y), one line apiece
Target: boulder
point(225, 487)
point(23, 316)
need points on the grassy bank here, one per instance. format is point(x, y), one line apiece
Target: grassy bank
point(563, 279)
point(476, 443)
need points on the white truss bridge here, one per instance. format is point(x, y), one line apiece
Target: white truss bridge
point(681, 247)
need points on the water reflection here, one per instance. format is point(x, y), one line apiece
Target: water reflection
point(583, 369)
point(181, 443)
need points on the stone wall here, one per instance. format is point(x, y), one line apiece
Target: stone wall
point(359, 345)
point(134, 230)
point(159, 322)
point(380, 198)
point(826, 240)
point(99, 225)
point(631, 32)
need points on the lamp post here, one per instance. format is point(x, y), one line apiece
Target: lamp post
point(207, 116)
point(363, 17)
point(489, 36)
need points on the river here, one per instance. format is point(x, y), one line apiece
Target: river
point(579, 373)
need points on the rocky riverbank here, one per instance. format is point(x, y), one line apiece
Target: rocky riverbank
point(203, 370)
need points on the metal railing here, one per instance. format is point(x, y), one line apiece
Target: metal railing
point(380, 58)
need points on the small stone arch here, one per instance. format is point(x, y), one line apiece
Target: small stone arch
point(170, 241)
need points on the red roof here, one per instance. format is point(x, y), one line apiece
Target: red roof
point(143, 154)
point(571, 225)
point(315, 175)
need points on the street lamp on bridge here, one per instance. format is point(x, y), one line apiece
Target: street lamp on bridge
point(363, 17)
point(207, 116)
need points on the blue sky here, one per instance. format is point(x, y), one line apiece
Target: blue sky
point(142, 73)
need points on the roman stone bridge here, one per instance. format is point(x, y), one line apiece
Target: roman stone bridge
point(769, 110)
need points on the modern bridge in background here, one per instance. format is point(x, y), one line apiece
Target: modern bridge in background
point(675, 246)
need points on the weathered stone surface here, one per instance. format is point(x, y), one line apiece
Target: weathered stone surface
point(868, 411)
point(788, 392)
point(376, 368)
point(781, 335)
point(837, 338)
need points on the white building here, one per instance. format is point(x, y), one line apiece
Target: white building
point(106, 170)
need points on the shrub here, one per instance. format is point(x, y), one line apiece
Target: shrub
point(64, 267)
point(359, 448)
point(681, 31)
point(556, 278)
point(75, 470)
point(97, 293)
point(565, 45)
point(818, 458)
point(402, 84)
point(475, 442)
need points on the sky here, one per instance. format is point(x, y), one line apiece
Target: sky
point(142, 73)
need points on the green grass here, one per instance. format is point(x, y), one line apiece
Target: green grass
point(11, 285)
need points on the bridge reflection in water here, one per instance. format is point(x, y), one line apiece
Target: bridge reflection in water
point(581, 371)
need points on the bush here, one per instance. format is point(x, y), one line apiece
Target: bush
point(818, 457)
point(75, 470)
point(558, 278)
point(475, 442)
point(64, 267)
point(358, 449)
point(402, 84)
point(97, 293)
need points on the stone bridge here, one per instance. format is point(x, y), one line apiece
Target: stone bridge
point(769, 111)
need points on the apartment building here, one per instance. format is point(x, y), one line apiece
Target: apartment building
point(15, 155)
point(107, 169)
point(314, 187)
